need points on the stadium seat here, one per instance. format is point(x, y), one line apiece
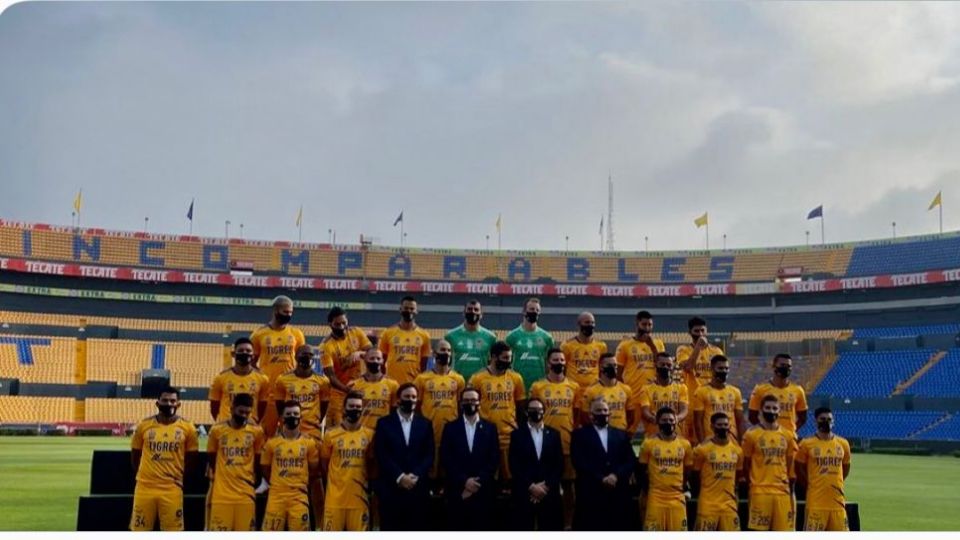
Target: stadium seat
point(37, 359)
point(872, 374)
point(130, 411)
point(878, 424)
point(35, 409)
point(906, 256)
point(907, 331)
point(942, 380)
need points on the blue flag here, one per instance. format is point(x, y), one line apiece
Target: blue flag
point(399, 219)
point(816, 212)
point(190, 211)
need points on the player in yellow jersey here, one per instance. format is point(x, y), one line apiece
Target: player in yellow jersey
point(171, 444)
point(308, 388)
point(345, 456)
point(234, 448)
point(341, 359)
point(663, 392)
point(636, 360)
point(618, 396)
point(378, 390)
point(823, 463)
point(559, 395)
point(792, 398)
point(440, 389)
point(242, 378)
point(291, 461)
point(719, 462)
point(718, 396)
point(502, 394)
point(274, 348)
point(694, 359)
point(582, 352)
point(405, 346)
point(768, 453)
point(665, 458)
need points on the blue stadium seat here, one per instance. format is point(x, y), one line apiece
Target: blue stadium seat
point(947, 431)
point(877, 424)
point(871, 374)
point(943, 380)
point(907, 331)
point(905, 257)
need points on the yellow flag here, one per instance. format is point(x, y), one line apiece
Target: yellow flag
point(78, 201)
point(300, 216)
point(498, 222)
point(936, 201)
point(701, 221)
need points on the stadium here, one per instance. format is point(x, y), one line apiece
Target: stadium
point(93, 322)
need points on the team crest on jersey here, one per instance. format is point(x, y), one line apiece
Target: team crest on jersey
point(178, 434)
point(540, 342)
point(762, 442)
point(546, 393)
point(675, 396)
point(816, 452)
point(303, 451)
point(151, 435)
point(230, 387)
point(340, 443)
point(713, 456)
point(488, 387)
point(383, 392)
point(656, 452)
point(268, 340)
point(479, 343)
point(396, 340)
point(569, 393)
point(430, 385)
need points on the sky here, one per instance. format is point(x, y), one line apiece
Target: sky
point(455, 113)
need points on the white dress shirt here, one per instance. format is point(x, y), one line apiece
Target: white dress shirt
point(602, 432)
point(536, 431)
point(405, 424)
point(471, 428)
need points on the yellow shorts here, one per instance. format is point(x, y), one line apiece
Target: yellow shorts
point(770, 512)
point(568, 472)
point(826, 520)
point(726, 521)
point(286, 509)
point(665, 516)
point(346, 519)
point(233, 516)
point(147, 506)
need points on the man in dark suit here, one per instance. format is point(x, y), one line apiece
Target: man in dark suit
point(403, 446)
point(470, 455)
point(536, 464)
point(604, 460)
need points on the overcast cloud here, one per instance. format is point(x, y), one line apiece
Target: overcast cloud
point(456, 112)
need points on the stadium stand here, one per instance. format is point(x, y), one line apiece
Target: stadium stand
point(905, 256)
point(872, 374)
point(35, 409)
point(942, 380)
point(37, 359)
point(945, 429)
point(879, 424)
point(133, 410)
point(906, 331)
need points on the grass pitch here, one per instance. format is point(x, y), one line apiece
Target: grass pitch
point(43, 477)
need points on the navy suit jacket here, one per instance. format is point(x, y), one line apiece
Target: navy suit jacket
point(592, 463)
point(460, 463)
point(527, 469)
point(396, 457)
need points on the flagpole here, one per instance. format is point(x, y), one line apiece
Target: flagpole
point(708, 234)
point(941, 215)
point(823, 240)
point(401, 233)
point(300, 232)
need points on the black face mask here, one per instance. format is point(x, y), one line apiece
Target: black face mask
point(373, 368)
point(721, 376)
point(784, 371)
point(243, 359)
point(407, 316)
point(291, 422)
point(352, 415)
point(720, 433)
point(407, 405)
point(609, 371)
point(824, 426)
point(667, 429)
point(663, 373)
point(470, 409)
point(304, 361)
point(283, 318)
point(471, 318)
point(587, 330)
point(442, 358)
point(601, 420)
point(503, 365)
point(338, 332)
point(557, 368)
point(239, 420)
point(166, 410)
point(770, 417)
point(532, 316)
point(535, 416)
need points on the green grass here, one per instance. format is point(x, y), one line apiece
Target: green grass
point(43, 477)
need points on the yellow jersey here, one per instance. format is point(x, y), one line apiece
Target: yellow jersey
point(771, 454)
point(656, 396)
point(824, 461)
point(439, 398)
point(290, 462)
point(402, 351)
point(702, 374)
point(334, 351)
point(228, 384)
point(792, 399)
point(347, 453)
point(236, 450)
point(378, 397)
point(665, 462)
point(638, 362)
point(560, 406)
point(275, 350)
point(499, 395)
point(619, 398)
point(710, 400)
point(718, 465)
point(309, 392)
point(164, 448)
point(583, 360)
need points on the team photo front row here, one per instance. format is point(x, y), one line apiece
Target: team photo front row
point(556, 457)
